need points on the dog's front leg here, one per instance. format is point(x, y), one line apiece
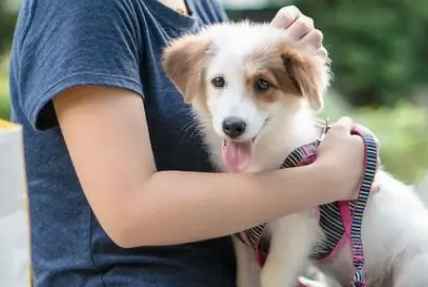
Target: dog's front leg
point(247, 269)
point(292, 239)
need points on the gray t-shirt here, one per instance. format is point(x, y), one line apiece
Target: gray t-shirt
point(60, 44)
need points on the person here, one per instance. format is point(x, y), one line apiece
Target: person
point(121, 190)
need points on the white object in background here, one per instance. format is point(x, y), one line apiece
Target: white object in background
point(15, 260)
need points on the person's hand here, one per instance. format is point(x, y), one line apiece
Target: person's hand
point(300, 28)
point(341, 157)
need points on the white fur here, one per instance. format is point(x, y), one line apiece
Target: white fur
point(395, 225)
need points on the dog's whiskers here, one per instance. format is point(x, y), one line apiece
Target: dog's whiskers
point(189, 130)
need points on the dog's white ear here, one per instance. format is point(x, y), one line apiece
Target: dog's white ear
point(183, 62)
point(308, 76)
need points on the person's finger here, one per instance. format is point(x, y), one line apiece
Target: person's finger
point(322, 52)
point(285, 17)
point(313, 38)
point(309, 21)
point(300, 28)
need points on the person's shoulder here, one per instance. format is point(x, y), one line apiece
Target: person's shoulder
point(41, 19)
point(61, 44)
point(50, 11)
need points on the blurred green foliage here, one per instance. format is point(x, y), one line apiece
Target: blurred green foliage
point(379, 47)
point(402, 132)
point(4, 101)
point(403, 136)
point(4, 90)
point(7, 24)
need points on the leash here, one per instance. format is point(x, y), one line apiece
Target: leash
point(355, 212)
point(343, 219)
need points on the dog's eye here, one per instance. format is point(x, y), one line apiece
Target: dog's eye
point(261, 85)
point(218, 82)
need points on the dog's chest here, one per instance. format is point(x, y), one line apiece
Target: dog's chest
point(329, 215)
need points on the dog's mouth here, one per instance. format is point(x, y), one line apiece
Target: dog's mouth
point(237, 155)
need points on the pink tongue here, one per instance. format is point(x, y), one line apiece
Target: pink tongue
point(237, 156)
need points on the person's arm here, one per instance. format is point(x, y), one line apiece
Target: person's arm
point(106, 134)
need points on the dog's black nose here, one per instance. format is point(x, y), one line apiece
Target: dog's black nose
point(234, 127)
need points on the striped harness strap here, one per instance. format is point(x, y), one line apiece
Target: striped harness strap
point(341, 221)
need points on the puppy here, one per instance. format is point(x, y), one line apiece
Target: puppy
point(254, 92)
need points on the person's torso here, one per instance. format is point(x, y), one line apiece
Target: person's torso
point(70, 248)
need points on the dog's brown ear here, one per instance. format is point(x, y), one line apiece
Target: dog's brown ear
point(306, 76)
point(183, 63)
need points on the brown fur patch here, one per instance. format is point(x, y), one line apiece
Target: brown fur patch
point(305, 74)
point(288, 70)
point(183, 63)
point(271, 95)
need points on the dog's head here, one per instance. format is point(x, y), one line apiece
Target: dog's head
point(241, 77)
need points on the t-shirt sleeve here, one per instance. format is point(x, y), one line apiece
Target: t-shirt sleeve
point(72, 43)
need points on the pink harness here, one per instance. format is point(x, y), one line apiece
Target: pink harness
point(340, 221)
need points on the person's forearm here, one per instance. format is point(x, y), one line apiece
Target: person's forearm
point(178, 207)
